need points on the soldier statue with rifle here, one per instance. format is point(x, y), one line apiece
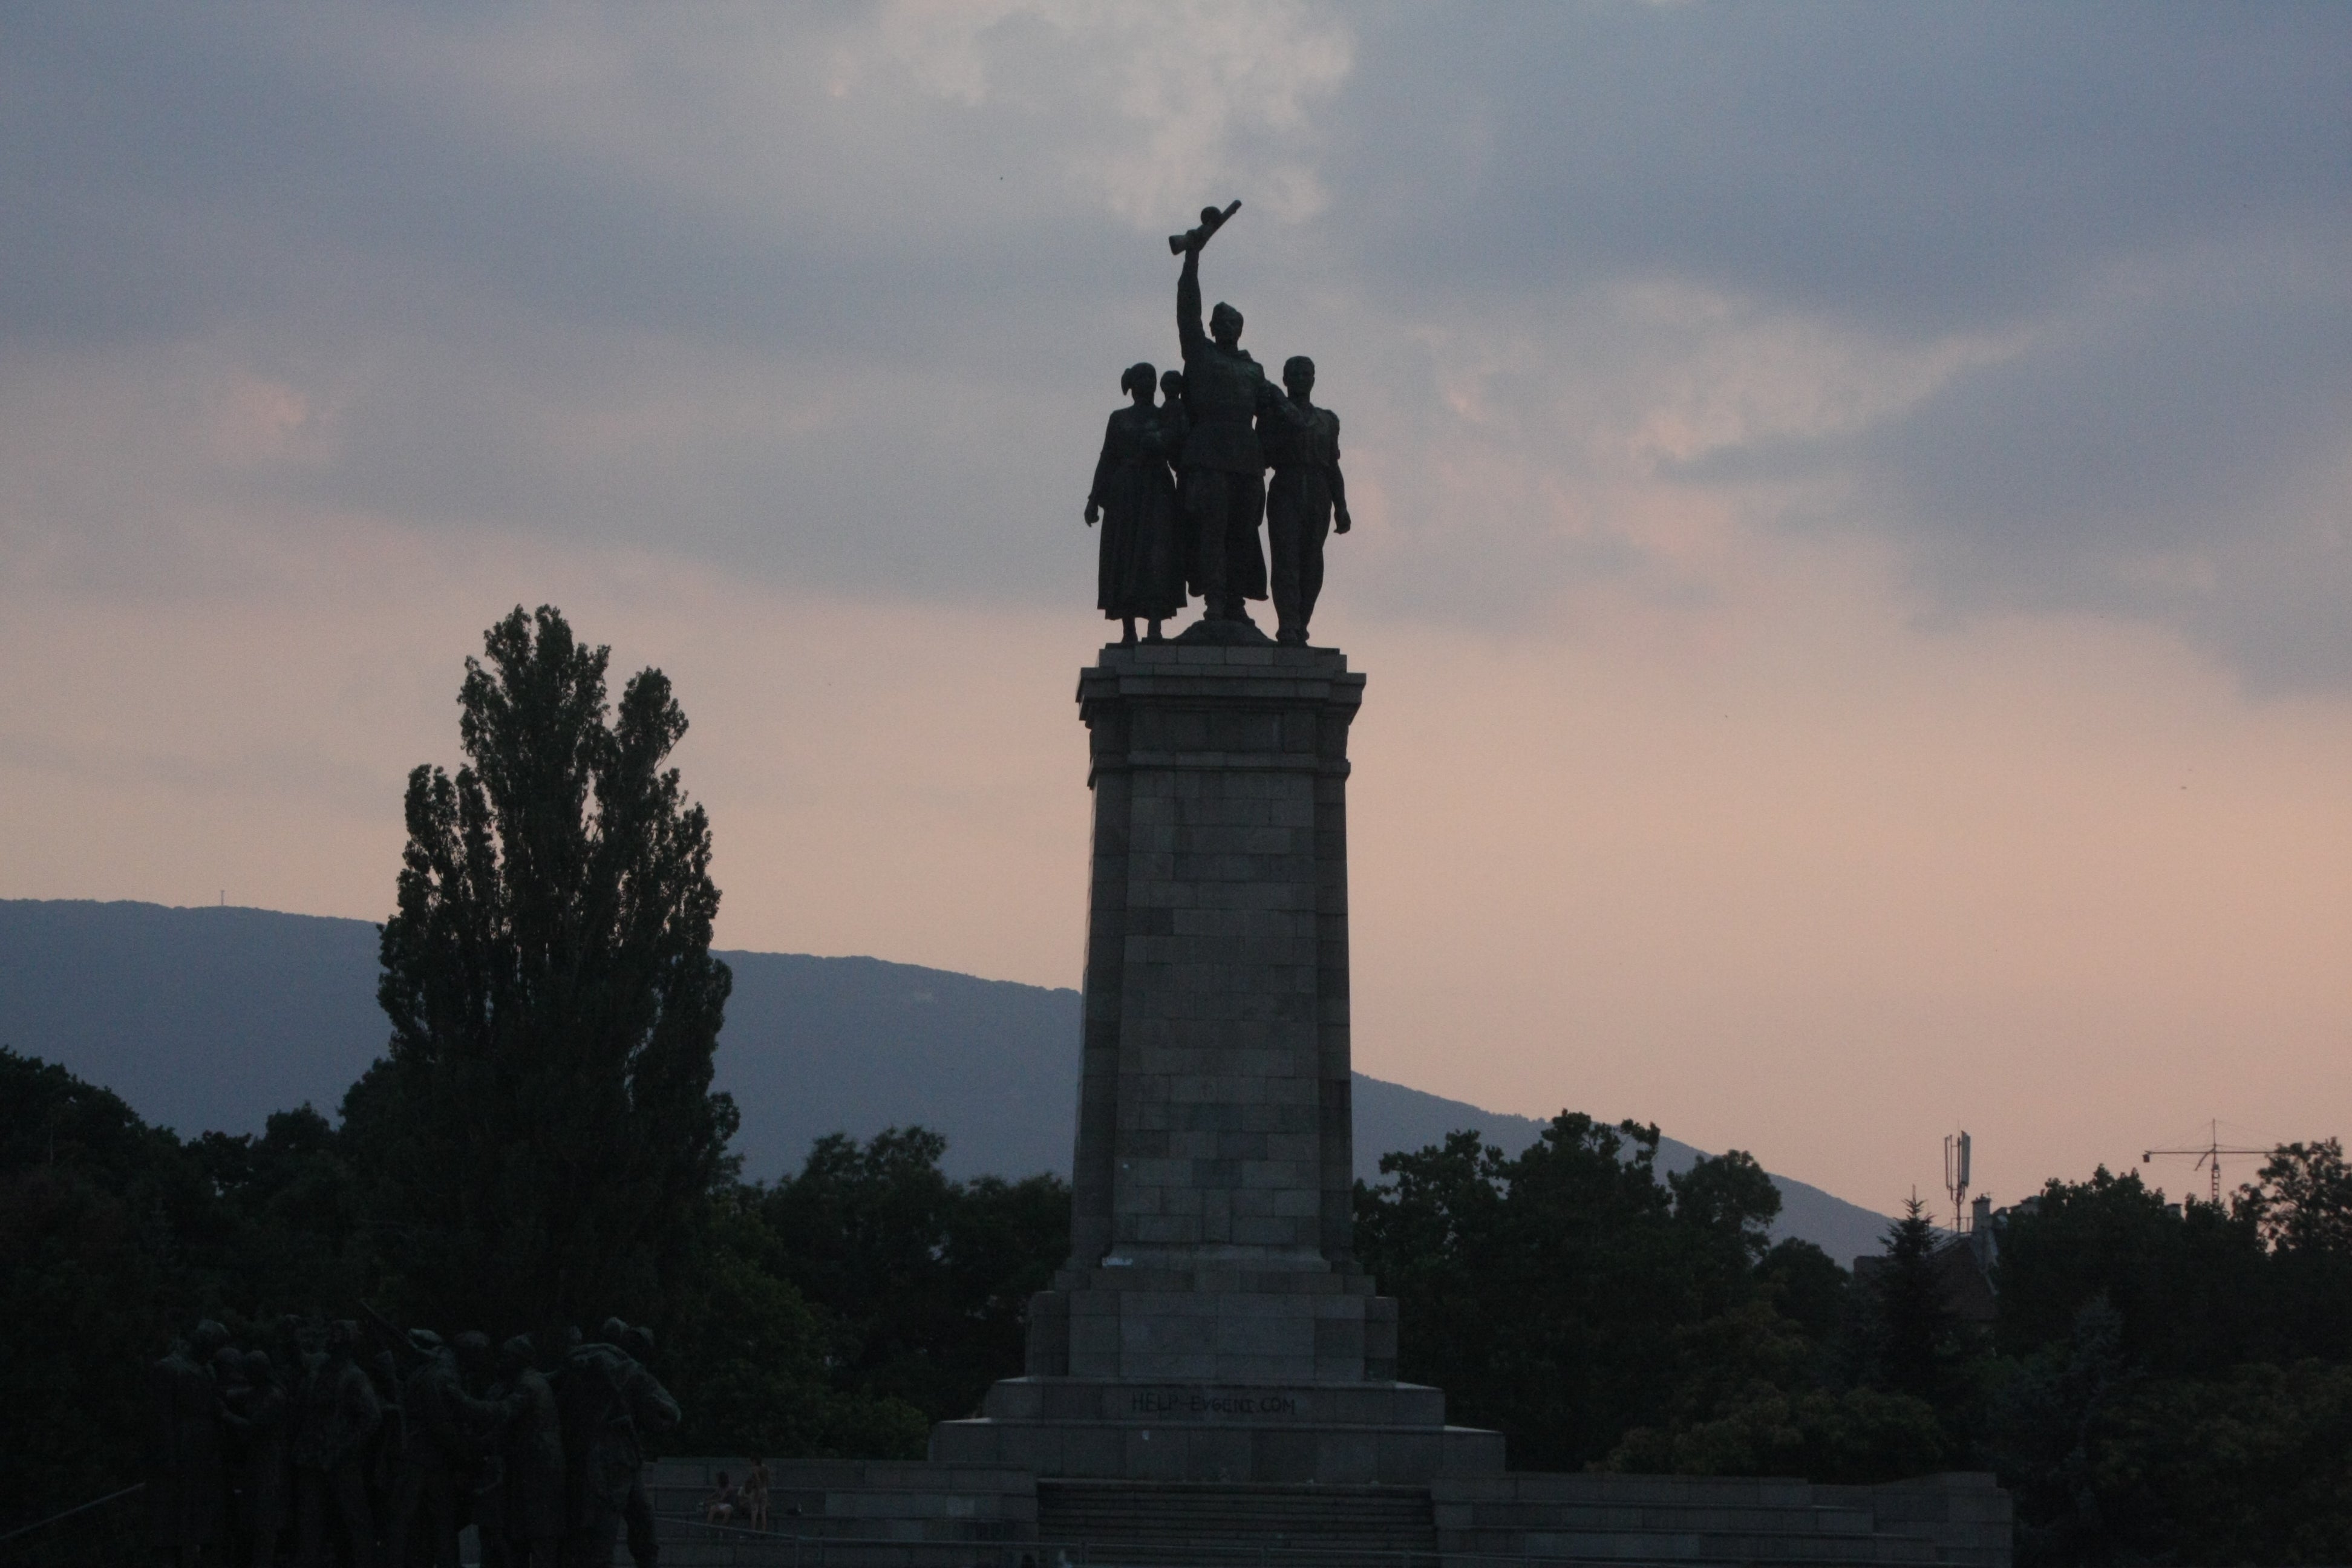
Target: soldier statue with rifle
point(1222, 468)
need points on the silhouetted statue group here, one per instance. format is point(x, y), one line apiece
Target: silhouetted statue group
point(316, 1448)
point(1181, 483)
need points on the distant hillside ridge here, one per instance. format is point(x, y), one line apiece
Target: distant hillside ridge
point(212, 1017)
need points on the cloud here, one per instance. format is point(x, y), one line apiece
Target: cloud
point(1902, 167)
point(797, 294)
point(2054, 302)
point(2051, 301)
point(2173, 451)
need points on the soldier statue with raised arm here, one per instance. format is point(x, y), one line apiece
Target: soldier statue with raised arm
point(1222, 466)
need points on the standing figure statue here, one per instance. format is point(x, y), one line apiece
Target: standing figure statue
point(448, 1431)
point(337, 1413)
point(231, 1394)
point(264, 1424)
point(386, 1459)
point(1224, 484)
point(531, 1443)
point(636, 1342)
point(1142, 572)
point(608, 1404)
point(1175, 425)
point(1305, 490)
point(187, 1480)
point(1175, 430)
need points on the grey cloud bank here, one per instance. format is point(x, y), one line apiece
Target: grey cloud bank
point(1916, 168)
point(838, 299)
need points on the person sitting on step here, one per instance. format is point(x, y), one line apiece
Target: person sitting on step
point(755, 1494)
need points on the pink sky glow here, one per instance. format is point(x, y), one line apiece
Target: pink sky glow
point(1852, 559)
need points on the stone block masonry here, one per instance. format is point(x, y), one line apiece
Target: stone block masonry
point(1215, 1126)
point(1959, 1518)
point(881, 1514)
point(1211, 1323)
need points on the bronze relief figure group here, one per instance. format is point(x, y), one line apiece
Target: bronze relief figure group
point(308, 1449)
point(1181, 483)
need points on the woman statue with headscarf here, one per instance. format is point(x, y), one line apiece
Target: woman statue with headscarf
point(1141, 575)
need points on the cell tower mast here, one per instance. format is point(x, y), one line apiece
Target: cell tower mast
point(1956, 1173)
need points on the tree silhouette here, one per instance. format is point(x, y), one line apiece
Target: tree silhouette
point(1913, 1324)
point(542, 1129)
point(2304, 1200)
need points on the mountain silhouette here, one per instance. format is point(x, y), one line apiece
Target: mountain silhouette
point(210, 1018)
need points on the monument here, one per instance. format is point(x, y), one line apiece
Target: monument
point(1212, 1369)
point(1212, 1376)
point(1212, 1323)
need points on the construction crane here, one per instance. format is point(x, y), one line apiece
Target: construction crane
point(2208, 1157)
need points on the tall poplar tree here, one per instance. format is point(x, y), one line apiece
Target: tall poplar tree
point(543, 1131)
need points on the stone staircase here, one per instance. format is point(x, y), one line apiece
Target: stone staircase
point(846, 1513)
point(1632, 1521)
point(903, 1514)
point(1154, 1522)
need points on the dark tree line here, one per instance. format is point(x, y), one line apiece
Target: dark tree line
point(1601, 1316)
point(2161, 1383)
point(2176, 1384)
point(840, 1310)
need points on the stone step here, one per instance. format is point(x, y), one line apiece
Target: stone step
point(1278, 1453)
point(1639, 1548)
point(909, 1514)
point(1628, 1521)
point(811, 1519)
point(920, 1512)
point(1128, 1401)
point(692, 1544)
point(1703, 1519)
point(780, 1552)
point(1168, 1521)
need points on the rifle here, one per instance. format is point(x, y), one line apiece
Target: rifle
point(1212, 220)
point(405, 1354)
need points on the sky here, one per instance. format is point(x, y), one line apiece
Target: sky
point(1852, 542)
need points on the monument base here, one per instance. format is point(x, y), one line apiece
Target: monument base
point(1241, 633)
point(876, 1514)
point(1391, 1434)
point(1189, 1319)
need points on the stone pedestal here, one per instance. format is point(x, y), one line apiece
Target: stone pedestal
point(1211, 1323)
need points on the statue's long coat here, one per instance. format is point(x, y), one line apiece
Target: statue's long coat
point(187, 1481)
point(1142, 566)
point(532, 1446)
point(606, 1400)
